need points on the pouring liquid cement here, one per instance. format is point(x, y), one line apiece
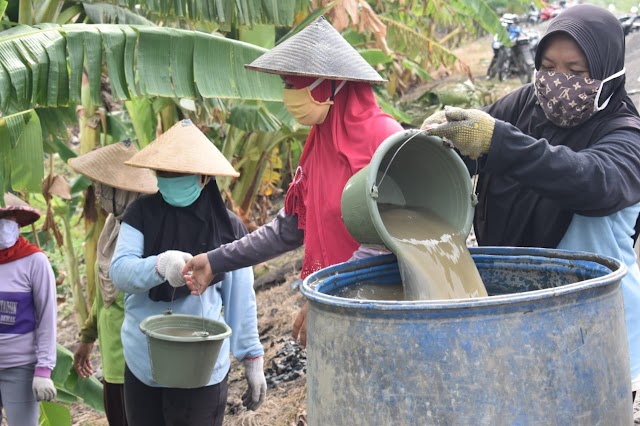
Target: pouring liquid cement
point(433, 259)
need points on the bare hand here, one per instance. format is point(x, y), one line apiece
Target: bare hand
point(81, 362)
point(198, 274)
point(300, 325)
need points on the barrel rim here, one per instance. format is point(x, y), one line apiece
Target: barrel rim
point(188, 339)
point(618, 271)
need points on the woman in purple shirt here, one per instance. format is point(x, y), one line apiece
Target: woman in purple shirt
point(27, 318)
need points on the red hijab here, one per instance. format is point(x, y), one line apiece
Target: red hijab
point(334, 151)
point(22, 248)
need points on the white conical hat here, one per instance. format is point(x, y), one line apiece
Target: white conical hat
point(184, 149)
point(317, 51)
point(107, 165)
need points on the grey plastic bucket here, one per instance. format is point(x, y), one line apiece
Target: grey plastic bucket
point(409, 169)
point(548, 347)
point(183, 361)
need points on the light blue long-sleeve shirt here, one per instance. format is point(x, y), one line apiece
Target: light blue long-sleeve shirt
point(135, 276)
point(611, 236)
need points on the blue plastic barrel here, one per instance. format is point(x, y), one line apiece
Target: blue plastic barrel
point(548, 347)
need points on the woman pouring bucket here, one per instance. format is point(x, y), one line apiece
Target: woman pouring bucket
point(159, 233)
point(327, 86)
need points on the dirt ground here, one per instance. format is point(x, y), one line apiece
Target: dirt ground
point(278, 306)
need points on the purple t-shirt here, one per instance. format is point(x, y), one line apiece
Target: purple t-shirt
point(28, 314)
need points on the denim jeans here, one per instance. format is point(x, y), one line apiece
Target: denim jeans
point(16, 396)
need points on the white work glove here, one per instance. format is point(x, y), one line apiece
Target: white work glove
point(257, 390)
point(169, 265)
point(43, 388)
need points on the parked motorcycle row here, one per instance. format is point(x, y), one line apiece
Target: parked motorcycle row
point(630, 22)
point(516, 60)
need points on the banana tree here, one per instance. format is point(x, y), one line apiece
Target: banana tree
point(43, 66)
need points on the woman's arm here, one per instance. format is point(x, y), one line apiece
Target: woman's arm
point(44, 299)
point(270, 240)
point(596, 181)
point(129, 271)
point(240, 313)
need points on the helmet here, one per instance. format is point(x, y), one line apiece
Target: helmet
point(509, 18)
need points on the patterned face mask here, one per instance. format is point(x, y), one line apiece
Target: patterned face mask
point(569, 100)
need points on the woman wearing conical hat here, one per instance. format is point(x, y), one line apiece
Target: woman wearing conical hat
point(27, 318)
point(159, 233)
point(328, 87)
point(117, 185)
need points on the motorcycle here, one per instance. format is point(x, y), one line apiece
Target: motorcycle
point(517, 60)
point(533, 15)
point(630, 23)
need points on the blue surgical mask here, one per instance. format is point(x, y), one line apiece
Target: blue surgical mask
point(180, 191)
point(9, 233)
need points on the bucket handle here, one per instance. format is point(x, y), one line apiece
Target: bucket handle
point(169, 311)
point(374, 188)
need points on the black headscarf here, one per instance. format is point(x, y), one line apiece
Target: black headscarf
point(520, 216)
point(198, 228)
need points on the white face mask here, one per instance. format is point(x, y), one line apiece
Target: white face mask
point(9, 233)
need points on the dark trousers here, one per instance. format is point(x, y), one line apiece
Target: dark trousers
point(114, 404)
point(150, 406)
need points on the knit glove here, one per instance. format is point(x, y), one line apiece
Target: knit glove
point(169, 265)
point(434, 120)
point(470, 130)
point(257, 390)
point(43, 388)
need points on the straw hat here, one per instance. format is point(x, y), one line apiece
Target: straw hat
point(184, 149)
point(14, 206)
point(317, 51)
point(107, 165)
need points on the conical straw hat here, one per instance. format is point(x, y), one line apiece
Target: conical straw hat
point(184, 149)
point(317, 51)
point(14, 206)
point(107, 165)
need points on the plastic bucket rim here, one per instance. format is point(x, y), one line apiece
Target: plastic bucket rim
point(381, 153)
point(183, 339)
point(618, 271)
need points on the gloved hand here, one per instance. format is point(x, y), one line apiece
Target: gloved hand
point(470, 130)
point(257, 390)
point(434, 120)
point(169, 265)
point(43, 388)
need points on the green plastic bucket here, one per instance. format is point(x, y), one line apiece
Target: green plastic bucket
point(183, 361)
point(409, 169)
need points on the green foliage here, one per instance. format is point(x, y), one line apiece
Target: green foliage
point(102, 13)
point(70, 386)
point(44, 66)
point(227, 13)
point(20, 147)
point(52, 414)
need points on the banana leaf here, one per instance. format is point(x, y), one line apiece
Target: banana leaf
point(21, 152)
point(44, 65)
point(228, 13)
point(72, 388)
point(103, 13)
point(53, 414)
